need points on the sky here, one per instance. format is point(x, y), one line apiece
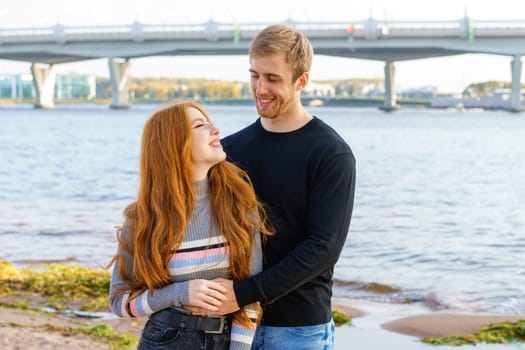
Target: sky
point(450, 72)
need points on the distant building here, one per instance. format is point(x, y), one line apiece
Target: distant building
point(319, 89)
point(75, 86)
point(429, 92)
point(16, 86)
point(500, 99)
point(370, 90)
point(67, 86)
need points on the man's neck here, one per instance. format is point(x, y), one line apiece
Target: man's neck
point(287, 122)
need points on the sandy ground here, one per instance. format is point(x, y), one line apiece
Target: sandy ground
point(400, 327)
point(375, 327)
point(25, 330)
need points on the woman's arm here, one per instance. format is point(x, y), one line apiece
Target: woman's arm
point(125, 302)
point(143, 302)
point(242, 336)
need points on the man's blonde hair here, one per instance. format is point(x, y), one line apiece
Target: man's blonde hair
point(281, 38)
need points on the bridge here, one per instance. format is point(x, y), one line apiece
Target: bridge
point(387, 41)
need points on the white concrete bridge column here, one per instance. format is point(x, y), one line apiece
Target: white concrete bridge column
point(515, 97)
point(44, 82)
point(389, 103)
point(119, 75)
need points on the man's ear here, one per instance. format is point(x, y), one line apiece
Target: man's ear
point(302, 81)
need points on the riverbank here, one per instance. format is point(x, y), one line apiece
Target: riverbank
point(59, 306)
point(374, 326)
point(32, 330)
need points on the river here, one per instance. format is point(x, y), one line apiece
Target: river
point(439, 208)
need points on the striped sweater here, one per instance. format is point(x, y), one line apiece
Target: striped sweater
point(204, 254)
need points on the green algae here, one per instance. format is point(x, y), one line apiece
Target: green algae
point(500, 333)
point(341, 318)
point(61, 286)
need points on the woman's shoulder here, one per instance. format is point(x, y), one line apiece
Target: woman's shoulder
point(130, 214)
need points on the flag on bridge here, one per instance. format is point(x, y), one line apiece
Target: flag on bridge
point(236, 33)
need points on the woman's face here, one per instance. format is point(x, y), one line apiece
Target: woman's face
point(206, 148)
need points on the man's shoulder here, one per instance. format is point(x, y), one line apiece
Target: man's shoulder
point(241, 134)
point(328, 137)
point(239, 142)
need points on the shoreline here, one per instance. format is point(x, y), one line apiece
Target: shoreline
point(308, 101)
point(417, 320)
point(378, 326)
point(375, 326)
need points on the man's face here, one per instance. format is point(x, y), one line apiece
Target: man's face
point(271, 85)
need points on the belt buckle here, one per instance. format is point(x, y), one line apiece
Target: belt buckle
point(221, 326)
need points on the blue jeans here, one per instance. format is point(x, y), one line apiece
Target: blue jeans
point(162, 336)
point(317, 337)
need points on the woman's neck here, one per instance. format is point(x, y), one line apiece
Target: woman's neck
point(201, 189)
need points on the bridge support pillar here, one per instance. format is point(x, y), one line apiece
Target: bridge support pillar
point(119, 75)
point(44, 77)
point(515, 97)
point(389, 103)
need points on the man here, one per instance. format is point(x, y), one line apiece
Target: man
point(305, 174)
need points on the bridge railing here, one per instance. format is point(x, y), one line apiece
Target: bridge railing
point(367, 29)
point(490, 28)
point(134, 32)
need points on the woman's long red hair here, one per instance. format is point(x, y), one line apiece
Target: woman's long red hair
point(156, 221)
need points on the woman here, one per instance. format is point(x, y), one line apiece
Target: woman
point(196, 218)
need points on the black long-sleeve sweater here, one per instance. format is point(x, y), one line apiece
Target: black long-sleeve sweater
point(306, 179)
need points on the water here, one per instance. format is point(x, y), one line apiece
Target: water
point(439, 212)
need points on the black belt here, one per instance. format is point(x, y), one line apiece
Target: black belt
point(206, 324)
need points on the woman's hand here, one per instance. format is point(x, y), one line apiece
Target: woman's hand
point(206, 295)
point(228, 302)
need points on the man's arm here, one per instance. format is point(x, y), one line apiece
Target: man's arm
point(329, 213)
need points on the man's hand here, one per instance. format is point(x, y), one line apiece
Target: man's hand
point(229, 305)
